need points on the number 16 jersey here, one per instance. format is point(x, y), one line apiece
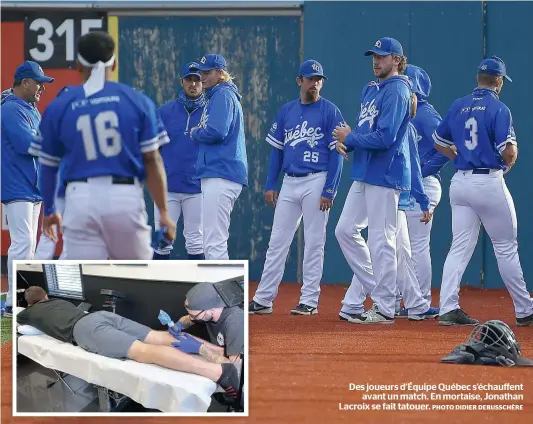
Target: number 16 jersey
point(100, 135)
point(480, 126)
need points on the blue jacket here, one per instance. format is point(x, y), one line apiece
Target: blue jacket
point(426, 121)
point(379, 140)
point(220, 134)
point(20, 170)
point(181, 154)
point(417, 192)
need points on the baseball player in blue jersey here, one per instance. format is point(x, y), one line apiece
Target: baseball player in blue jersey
point(105, 136)
point(179, 156)
point(304, 149)
point(478, 134)
point(380, 170)
point(425, 122)
point(222, 165)
point(20, 193)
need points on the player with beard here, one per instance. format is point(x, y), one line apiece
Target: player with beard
point(179, 157)
point(380, 170)
point(304, 149)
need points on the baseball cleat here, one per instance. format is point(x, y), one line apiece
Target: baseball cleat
point(255, 308)
point(457, 317)
point(429, 314)
point(524, 322)
point(302, 309)
point(372, 316)
point(345, 316)
point(401, 313)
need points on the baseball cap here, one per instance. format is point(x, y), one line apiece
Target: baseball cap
point(212, 61)
point(31, 70)
point(311, 68)
point(190, 68)
point(386, 46)
point(203, 296)
point(493, 66)
point(421, 84)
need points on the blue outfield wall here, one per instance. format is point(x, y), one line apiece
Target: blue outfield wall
point(445, 38)
point(262, 54)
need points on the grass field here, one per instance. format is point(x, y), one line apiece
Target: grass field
point(6, 326)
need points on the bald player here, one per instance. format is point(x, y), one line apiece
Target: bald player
point(478, 134)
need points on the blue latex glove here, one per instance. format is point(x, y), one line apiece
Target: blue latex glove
point(176, 330)
point(187, 344)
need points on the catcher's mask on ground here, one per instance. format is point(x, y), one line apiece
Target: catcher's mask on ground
point(498, 336)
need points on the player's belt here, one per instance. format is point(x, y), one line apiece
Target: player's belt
point(484, 171)
point(116, 180)
point(303, 175)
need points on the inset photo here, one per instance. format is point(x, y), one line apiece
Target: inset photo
point(129, 337)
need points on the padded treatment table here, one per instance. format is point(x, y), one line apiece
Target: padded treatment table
point(152, 386)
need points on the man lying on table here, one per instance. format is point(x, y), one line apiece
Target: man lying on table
point(111, 335)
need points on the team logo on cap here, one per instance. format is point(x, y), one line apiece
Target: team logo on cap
point(484, 68)
point(378, 44)
point(202, 60)
point(315, 67)
point(40, 69)
point(193, 65)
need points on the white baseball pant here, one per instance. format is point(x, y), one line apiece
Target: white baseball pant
point(46, 248)
point(23, 224)
point(406, 278)
point(299, 196)
point(376, 207)
point(420, 233)
point(103, 220)
point(218, 198)
point(191, 206)
point(483, 199)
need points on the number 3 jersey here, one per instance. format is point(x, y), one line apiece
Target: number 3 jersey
point(480, 126)
point(304, 133)
point(103, 134)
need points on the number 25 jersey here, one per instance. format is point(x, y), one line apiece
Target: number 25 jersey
point(305, 134)
point(103, 134)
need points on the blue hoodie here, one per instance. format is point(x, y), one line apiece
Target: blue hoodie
point(426, 121)
point(220, 134)
point(417, 192)
point(181, 154)
point(379, 140)
point(20, 170)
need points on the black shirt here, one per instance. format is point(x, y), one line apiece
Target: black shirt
point(54, 317)
point(228, 331)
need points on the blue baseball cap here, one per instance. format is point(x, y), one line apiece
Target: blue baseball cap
point(311, 68)
point(31, 70)
point(212, 61)
point(420, 82)
point(386, 46)
point(493, 66)
point(190, 68)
